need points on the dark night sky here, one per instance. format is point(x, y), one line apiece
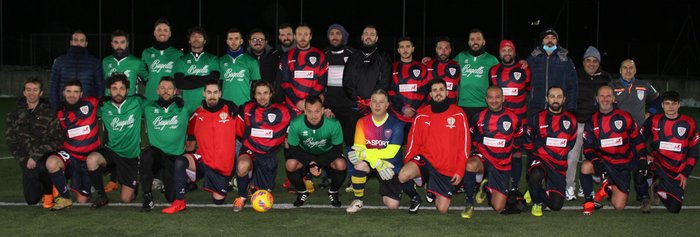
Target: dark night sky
point(655, 34)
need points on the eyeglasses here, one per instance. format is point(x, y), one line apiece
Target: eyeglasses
point(257, 40)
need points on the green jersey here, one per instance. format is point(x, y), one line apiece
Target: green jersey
point(314, 140)
point(167, 127)
point(131, 66)
point(475, 78)
point(189, 65)
point(237, 75)
point(123, 126)
point(160, 63)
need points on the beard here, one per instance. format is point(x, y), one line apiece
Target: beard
point(118, 99)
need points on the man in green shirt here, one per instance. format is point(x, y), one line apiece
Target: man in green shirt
point(315, 143)
point(122, 62)
point(475, 63)
point(121, 116)
point(159, 59)
point(239, 69)
point(166, 125)
point(195, 68)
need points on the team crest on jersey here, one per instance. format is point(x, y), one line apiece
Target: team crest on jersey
point(224, 117)
point(681, 131)
point(640, 94)
point(517, 75)
point(416, 72)
point(566, 124)
point(387, 133)
point(84, 109)
point(109, 112)
point(312, 60)
point(305, 133)
point(153, 55)
point(618, 124)
point(189, 61)
point(506, 125)
point(345, 59)
point(450, 122)
point(271, 117)
point(226, 64)
point(452, 71)
point(155, 111)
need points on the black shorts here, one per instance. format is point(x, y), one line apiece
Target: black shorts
point(214, 182)
point(264, 169)
point(556, 182)
point(127, 168)
point(619, 176)
point(307, 158)
point(438, 183)
point(76, 170)
point(497, 179)
point(667, 187)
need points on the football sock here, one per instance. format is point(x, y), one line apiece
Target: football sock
point(587, 185)
point(410, 189)
point(180, 176)
point(59, 180)
point(243, 185)
point(516, 171)
point(337, 179)
point(469, 182)
point(96, 179)
point(359, 178)
point(295, 177)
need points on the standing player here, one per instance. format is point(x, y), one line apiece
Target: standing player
point(437, 149)
point(612, 146)
point(239, 69)
point(515, 83)
point(121, 61)
point(215, 126)
point(264, 125)
point(550, 135)
point(442, 67)
point(166, 125)
point(496, 133)
point(303, 70)
point(475, 63)
point(336, 100)
point(159, 59)
point(122, 122)
point(674, 151)
point(194, 69)
point(78, 118)
point(378, 140)
point(407, 88)
point(315, 143)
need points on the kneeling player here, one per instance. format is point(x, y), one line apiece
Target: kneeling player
point(215, 126)
point(264, 126)
point(122, 121)
point(550, 135)
point(674, 142)
point(78, 118)
point(377, 146)
point(496, 134)
point(612, 145)
point(315, 143)
point(438, 144)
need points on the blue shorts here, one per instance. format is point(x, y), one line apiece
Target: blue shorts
point(667, 187)
point(438, 183)
point(264, 170)
point(556, 182)
point(619, 176)
point(498, 179)
point(76, 170)
point(214, 182)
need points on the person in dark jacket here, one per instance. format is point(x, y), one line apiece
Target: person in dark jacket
point(268, 60)
point(590, 78)
point(551, 66)
point(76, 64)
point(336, 101)
point(32, 134)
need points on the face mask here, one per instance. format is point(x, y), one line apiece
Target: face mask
point(549, 49)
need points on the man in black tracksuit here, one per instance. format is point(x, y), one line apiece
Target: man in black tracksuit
point(339, 104)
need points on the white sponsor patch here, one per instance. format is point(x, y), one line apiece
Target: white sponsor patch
point(335, 75)
point(670, 146)
point(304, 74)
point(79, 131)
point(611, 142)
point(494, 142)
point(556, 142)
point(408, 87)
point(510, 91)
point(264, 133)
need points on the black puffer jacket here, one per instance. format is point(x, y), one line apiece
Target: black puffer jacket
point(587, 86)
point(77, 64)
point(367, 69)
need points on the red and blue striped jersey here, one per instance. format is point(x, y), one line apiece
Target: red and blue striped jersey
point(674, 143)
point(407, 88)
point(303, 73)
point(265, 128)
point(515, 83)
point(449, 72)
point(79, 124)
point(612, 137)
point(495, 135)
point(550, 137)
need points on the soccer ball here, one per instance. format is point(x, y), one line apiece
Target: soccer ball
point(262, 201)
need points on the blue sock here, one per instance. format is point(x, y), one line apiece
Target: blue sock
point(243, 182)
point(59, 180)
point(587, 185)
point(469, 182)
point(410, 189)
point(180, 176)
point(515, 172)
